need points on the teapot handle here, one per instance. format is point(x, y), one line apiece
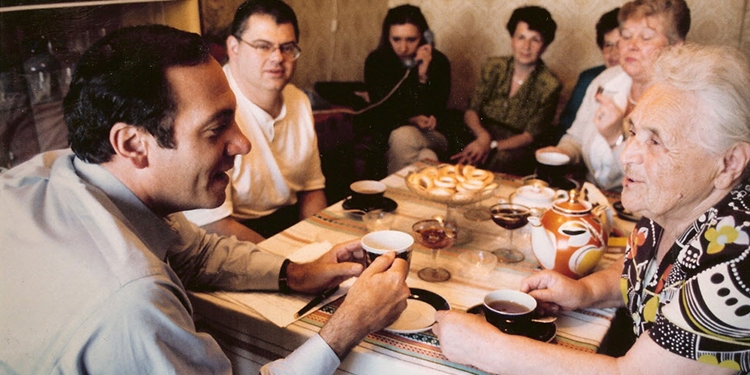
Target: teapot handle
point(605, 215)
point(559, 194)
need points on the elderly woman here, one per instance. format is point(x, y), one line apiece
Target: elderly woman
point(516, 98)
point(597, 134)
point(685, 277)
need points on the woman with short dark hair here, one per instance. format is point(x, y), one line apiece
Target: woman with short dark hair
point(514, 103)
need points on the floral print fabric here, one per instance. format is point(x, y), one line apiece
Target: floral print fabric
point(696, 302)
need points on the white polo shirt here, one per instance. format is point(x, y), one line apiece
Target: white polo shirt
point(283, 161)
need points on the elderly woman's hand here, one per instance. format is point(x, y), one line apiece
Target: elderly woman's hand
point(465, 338)
point(608, 118)
point(554, 291)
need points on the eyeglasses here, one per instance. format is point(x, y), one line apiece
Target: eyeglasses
point(289, 50)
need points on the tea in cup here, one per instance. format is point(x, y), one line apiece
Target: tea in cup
point(367, 194)
point(509, 310)
point(380, 242)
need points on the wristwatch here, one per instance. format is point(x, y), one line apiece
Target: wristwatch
point(283, 284)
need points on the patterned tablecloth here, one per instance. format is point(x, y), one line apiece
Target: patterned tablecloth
point(251, 340)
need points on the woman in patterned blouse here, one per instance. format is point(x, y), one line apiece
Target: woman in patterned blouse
point(685, 277)
point(514, 102)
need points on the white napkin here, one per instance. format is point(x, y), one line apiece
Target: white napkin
point(280, 308)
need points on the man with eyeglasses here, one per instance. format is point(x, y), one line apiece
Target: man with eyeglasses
point(280, 181)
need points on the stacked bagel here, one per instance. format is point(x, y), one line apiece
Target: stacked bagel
point(459, 183)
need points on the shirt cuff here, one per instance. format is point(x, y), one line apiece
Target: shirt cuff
point(314, 357)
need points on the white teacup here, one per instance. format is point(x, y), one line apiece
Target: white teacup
point(380, 242)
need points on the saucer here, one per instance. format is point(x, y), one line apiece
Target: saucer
point(419, 315)
point(623, 213)
point(544, 332)
point(388, 205)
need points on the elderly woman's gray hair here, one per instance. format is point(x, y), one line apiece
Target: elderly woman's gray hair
point(719, 77)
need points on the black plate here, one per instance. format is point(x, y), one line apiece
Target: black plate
point(388, 205)
point(623, 213)
point(544, 332)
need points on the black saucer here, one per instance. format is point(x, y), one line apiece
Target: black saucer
point(544, 332)
point(388, 205)
point(431, 298)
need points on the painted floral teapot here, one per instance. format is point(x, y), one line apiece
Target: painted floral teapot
point(569, 238)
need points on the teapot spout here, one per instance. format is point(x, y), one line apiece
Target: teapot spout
point(542, 243)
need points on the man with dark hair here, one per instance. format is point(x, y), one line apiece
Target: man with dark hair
point(96, 257)
point(280, 181)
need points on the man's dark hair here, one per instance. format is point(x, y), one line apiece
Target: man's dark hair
point(538, 19)
point(122, 78)
point(280, 11)
point(607, 22)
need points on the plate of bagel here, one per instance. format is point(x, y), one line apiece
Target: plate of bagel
point(452, 184)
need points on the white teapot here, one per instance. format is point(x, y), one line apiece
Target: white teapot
point(537, 196)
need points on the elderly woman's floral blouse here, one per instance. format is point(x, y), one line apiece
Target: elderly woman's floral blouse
point(696, 303)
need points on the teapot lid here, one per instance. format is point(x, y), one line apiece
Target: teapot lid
point(573, 204)
point(535, 192)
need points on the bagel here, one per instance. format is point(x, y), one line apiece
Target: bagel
point(441, 192)
point(491, 186)
point(446, 170)
point(470, 186)
point(458, 182)
point(445, 182)
point(426, 182)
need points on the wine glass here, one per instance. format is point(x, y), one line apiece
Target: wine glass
point(510, 216)
point(435, 234)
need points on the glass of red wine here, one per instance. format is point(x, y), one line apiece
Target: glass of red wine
point(510, 216)
point(435, 234)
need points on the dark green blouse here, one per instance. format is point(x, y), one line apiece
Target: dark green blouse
point(531, 109)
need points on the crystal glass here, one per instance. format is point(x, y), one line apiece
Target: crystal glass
point(510, 216)
point(434, 234)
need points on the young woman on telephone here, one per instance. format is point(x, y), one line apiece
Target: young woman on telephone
point(411, 80)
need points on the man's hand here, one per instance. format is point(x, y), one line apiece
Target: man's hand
point(343, 261)
point(375, 300)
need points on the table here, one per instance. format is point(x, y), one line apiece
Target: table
point(250, 340)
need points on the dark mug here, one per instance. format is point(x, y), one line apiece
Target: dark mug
point(367, 194)
point(553, 167)
point(509, 310)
